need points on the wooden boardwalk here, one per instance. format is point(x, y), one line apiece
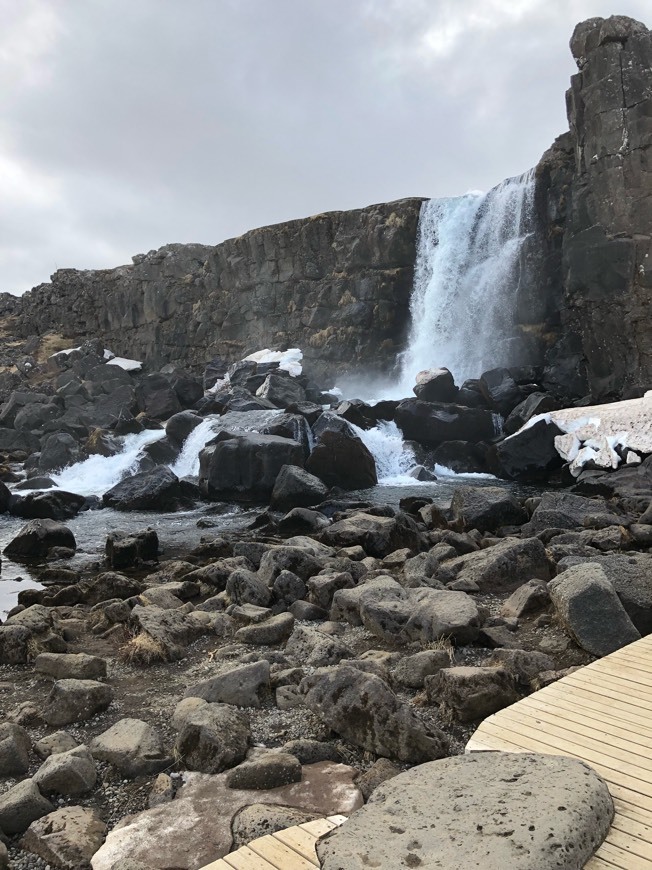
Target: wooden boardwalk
point(290, 849)
point(601, 714)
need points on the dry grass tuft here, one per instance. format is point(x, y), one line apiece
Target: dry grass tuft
point(443, 643)
point(52, 343)
point(143, 650)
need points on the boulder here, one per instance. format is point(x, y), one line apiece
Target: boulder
point(14, 750)
point(165, 634)
point(470, 693)
point(500, 390)
point(76, 666)
point(54, 505)
point(59, 741)
point(310, 647)
point(244, 466)
point(535, 403)
point(462, 457)
point(75, 700)
point(281, 389)
point(435, 385)
point(133, 747)
point(259, 820)
point(127, 549)
point(432, 423)
point(270, 632)
point(38, 537)
point(66, 838)
point(180, 425)
point(296, 487)
point(378, 536)
point(68, 773)
point(156, 397)
point(341, 459)
point(243, 686)
point(587, 605)
point(270, 770)
point(631, 576)
point(13, 644)
point(565, 510)
point(531, 597)
point(20, 806)
point(499, 568)
point(364, 710)
point(213, 737)
point(496, 809)
point(486, 508)
point(530, 454)
point(156, 490)
point(58, 451)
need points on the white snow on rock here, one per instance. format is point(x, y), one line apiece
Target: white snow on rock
point(129, 365)
point(593, 434)
point(289, 360)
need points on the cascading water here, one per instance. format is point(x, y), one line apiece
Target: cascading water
point(97, 474)
point(466, 279)
point(385, 443)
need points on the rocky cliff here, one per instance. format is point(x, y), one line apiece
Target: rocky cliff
point(337, 285)
point(598, 182)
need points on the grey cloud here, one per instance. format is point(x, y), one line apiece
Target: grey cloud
point(155, 121)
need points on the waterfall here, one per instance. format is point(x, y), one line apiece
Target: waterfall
point(466, 278)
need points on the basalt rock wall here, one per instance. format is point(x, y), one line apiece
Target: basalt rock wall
point(596, 184)
point(337, 285)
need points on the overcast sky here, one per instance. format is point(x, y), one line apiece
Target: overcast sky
point(128, 124)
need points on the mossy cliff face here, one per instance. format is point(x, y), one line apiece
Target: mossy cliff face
point(337, 285)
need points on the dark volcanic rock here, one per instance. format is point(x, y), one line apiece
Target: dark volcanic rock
point(38, 537)
point(245, 466)
point(296, 487)
point(159, 489)
point(432, 423)
point(339, 459)
point(530, 454)
point(435, 385)
point(156, 397)
point(53, 505)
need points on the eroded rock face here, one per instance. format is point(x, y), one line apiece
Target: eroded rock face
point(490, 809)
point(336, 285)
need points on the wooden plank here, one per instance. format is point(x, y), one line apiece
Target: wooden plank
point(597, 863)
point(627, 842)
point(621, 857)
point(581, 735)
point(612, 771)
point(619, 708)
point(279, 855)
point(245, 859)
point(604, 684)
point(299, 840)
point(318, 827)
point(218, 865)
point(598, 719)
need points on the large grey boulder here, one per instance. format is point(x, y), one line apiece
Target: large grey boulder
point(565, 510)
point(22, 805)
point(313, 648)
point(363, 709)
point(471, 693)
point(76, 666)
point(66, 838)
point(490, 809)
point(631, 577)
point(165, 634)
point(243, 686)
point(588, 607)
point(213, 737)
point(68, 773)
point(133, 747)
point(486, 508)
point(75, 700)
point(378, 536)
point(499, 568)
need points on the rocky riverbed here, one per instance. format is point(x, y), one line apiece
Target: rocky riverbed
point(225, 626)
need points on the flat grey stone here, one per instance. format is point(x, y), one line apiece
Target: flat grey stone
point(76, 666)
point(66, 838)
point(22, 805)
point(133, 747)
point(488, 809)
point(68, 773)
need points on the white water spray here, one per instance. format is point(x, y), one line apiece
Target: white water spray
point(466, 280)
point(385, 443)
point(98, 474)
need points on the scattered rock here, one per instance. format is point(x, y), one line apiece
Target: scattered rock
point(133, 747)
point(271, 770)
point(76, 700)
point(471, 693)
point(67, 838)
point(22, 805)
point(68, 773)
